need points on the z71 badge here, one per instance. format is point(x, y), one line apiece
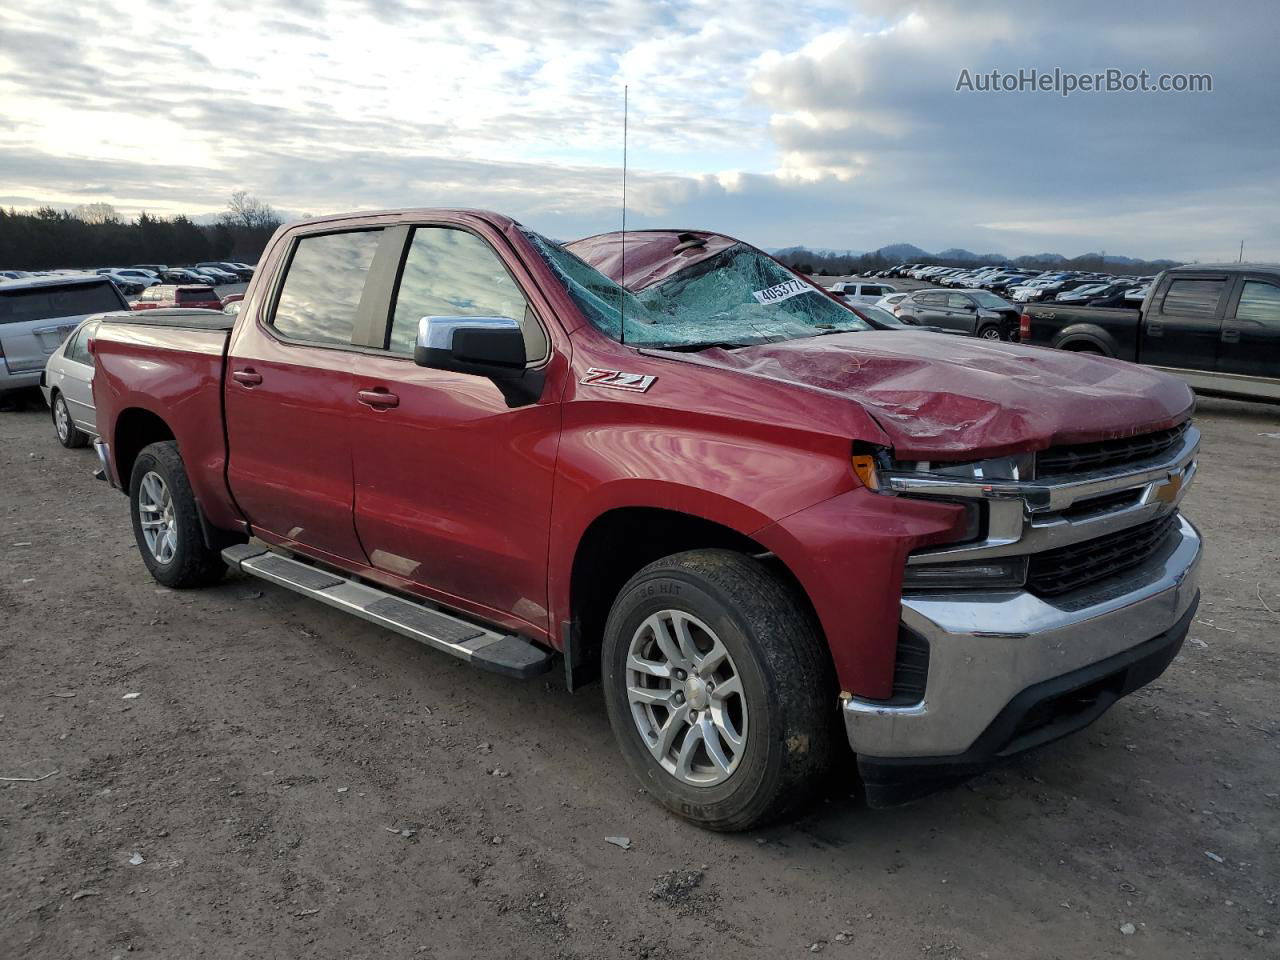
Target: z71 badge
point(618, 380)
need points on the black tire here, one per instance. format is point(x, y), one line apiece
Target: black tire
point(787, 680)
point(192, 564)
point(1088, 351)
point(990, 332)
point(74, 437)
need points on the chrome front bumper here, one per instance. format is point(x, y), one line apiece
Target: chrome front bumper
point(986, 649)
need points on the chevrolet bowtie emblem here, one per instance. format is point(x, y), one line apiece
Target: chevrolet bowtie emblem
point(1168, 492)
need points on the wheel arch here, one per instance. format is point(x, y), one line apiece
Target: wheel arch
point(1082, 335)
point(620, 542)
point(135, 428)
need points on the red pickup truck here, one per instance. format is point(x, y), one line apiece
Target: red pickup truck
point(690, 474)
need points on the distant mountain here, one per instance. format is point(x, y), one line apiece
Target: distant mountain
point(959, 253)
point(839, 262)
point(902, 252)
point(816, 251)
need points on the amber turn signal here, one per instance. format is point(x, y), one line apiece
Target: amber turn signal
point(864, 467)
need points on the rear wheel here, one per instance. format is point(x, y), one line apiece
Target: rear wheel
point(719, 689)
point(69, 435)
point(166, 520)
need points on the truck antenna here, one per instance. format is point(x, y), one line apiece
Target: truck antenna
point(622, 280)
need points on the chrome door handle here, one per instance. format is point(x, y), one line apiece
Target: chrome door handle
point(248, 377)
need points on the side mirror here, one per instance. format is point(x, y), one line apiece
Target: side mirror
point(232, 309)
point(490, 347)
point(484, 346)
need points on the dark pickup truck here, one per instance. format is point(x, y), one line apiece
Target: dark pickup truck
point(764, 526)
point(1215, 326)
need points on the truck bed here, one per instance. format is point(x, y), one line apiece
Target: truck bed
point(169, 365)
point(1111, 331)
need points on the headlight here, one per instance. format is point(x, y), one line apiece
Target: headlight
point(879, 472)
point(1017, 467)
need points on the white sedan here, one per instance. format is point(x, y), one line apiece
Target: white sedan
point(891, 301)
point(67, 384)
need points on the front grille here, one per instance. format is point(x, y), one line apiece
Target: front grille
point(1060, 571)
point(1087, 457)
point(1095, 506)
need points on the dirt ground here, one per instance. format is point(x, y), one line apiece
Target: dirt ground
point(241, 772)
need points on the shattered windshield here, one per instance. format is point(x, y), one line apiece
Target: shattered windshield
point(735, 298)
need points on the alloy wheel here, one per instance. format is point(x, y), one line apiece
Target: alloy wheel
point(155, 513)
point(686, 698)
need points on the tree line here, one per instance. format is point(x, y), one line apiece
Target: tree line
point(94, 235)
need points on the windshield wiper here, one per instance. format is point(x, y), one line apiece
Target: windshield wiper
point(695, 347)
point(827, 333)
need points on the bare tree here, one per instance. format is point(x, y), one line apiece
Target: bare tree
point(97, 213)
point(247, 211)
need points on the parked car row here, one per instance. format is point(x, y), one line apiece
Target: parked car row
point(1032, 286)
point(133, 280)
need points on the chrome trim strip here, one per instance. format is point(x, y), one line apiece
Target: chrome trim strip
point(1043, 497)
point(984, 649)
point(1026, 518)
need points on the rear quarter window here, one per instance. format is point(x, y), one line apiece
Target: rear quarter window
point(45, 303)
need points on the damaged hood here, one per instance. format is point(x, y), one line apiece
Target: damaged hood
point(954, 398)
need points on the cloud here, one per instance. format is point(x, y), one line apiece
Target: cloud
point(822, 123)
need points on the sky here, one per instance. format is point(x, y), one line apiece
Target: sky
point(832, 125)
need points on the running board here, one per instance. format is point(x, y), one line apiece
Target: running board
point(508, 655)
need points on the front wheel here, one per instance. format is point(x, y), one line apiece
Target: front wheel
point(719, 689)
point(69, 435)
point(990, 332)
point(166, 520)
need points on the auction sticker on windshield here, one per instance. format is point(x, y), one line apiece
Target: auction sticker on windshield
point(782, 291)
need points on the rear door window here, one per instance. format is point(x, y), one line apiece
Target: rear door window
point(1193, 298)
point(322, 287)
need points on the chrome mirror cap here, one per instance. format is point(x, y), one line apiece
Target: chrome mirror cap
point(436, 333)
